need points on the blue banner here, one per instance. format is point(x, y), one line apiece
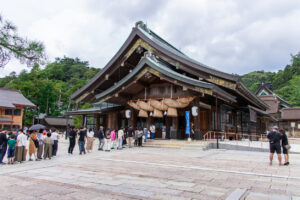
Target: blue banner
point(187, 118)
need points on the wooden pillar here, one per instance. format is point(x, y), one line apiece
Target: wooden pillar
point(174, 133)
point(217, 115)
point(67, 127)
point(97, 122)
point(197, 121)
point(83, 119)
point(149, 121)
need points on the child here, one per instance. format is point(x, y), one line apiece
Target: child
point(48, 142)
point(11, 149)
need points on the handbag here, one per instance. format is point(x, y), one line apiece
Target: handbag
point(288, 147)
point(36, 143)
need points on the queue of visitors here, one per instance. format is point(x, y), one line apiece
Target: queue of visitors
point(36, 144)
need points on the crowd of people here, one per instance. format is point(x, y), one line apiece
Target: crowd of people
point(279, 141)
point(42, 144)
point(37, 145)
point(108, 139)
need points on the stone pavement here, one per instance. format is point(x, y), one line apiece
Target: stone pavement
point(151, 173)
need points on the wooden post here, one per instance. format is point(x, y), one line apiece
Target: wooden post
point(217, 121)
point(83, 119)
point(197, 126)
point(174, 134)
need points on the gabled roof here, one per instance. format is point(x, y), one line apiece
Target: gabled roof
point(141, 31)
point(12, 98)
point(271, 95)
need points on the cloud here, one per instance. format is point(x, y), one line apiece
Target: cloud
point(232, 36)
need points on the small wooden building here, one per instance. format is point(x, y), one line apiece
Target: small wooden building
point(58, 123)
point(159, 83)
point(12, 104)
point(280, 109)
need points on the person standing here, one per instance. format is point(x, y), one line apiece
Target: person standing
point(152, 131)
point(140, 137)
point(101, 139)
point(90, 140)
point(274, 139)
point(120, 138)
point(32, 145)
point(48, 144)
point(55, 137)
point(130, 136)
point(81, 140)
point(11, 149)
point(3, 145)
point(164, 131)
point(145, 134)
point(113, 138)
point(192, 132)
point(107, 140)
point(20, 154)
point(40, 138)
point(72, 140)
point(285, 147)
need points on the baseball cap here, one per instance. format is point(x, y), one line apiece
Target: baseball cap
point(275, 127)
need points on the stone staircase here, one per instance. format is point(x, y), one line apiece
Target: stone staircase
point(176, 144)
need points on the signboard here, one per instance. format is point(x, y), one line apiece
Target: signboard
point(293, 124)
point(187, 118)
point(253, 115)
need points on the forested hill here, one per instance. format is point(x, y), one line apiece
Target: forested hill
point(286, 83)
point(51, 87)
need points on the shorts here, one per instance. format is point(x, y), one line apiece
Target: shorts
point(10, 153)
point(275, 147)
point(284, 150)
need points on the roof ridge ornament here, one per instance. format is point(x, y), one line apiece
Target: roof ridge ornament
point(142, 25)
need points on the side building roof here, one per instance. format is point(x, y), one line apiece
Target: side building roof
point(12, 98)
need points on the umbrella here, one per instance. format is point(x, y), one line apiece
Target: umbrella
point(37, 127)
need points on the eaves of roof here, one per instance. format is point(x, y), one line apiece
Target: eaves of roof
point(161, 68)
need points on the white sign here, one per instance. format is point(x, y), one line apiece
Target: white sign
point(293, 124)
point(195, 111)
point(128, 114)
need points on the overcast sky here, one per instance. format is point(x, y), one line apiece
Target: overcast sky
point(234, 36)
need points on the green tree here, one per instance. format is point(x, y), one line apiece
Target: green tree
point(12, 45)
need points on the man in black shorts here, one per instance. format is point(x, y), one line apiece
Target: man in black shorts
point(274, 138)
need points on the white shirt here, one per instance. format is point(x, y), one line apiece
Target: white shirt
point(90, 134)
point(22, 140)
point(54, 136)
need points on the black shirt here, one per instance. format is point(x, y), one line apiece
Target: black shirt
point(72, 134)
point(284, 140)
point(130, 132)
point(274, 137)
point(101, 134)
point(82, 135)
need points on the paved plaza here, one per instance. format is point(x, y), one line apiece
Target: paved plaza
point(151, 173)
